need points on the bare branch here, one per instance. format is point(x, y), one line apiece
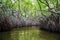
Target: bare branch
point(52, 11)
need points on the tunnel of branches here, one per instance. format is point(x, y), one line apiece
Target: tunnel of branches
point(22, 13)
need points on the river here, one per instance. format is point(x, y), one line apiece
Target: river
point(28, 34)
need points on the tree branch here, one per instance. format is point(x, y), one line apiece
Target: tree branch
point(57, 3)
point(40, 8)
point(42, 2)
point(52, 11)
point(47, 3)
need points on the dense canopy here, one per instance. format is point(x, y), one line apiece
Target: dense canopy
point(32, 12)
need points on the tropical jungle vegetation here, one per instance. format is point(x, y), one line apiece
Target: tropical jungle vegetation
point(20, 13)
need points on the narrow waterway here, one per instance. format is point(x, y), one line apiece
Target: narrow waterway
point(28, 34)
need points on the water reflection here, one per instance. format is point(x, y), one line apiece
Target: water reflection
point(29, 35)
point(49, 35)
point(5, 36)
point(13, 35)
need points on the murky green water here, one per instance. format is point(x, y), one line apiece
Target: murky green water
point(28, 34)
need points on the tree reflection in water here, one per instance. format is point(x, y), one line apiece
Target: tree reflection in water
point(29, 34)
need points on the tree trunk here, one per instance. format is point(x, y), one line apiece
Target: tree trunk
point(57, 20)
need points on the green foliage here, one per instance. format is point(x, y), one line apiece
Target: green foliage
point(29, 8)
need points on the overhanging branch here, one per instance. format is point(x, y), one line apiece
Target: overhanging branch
point(40, 8)
point(49, 8)
point(52, 11)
